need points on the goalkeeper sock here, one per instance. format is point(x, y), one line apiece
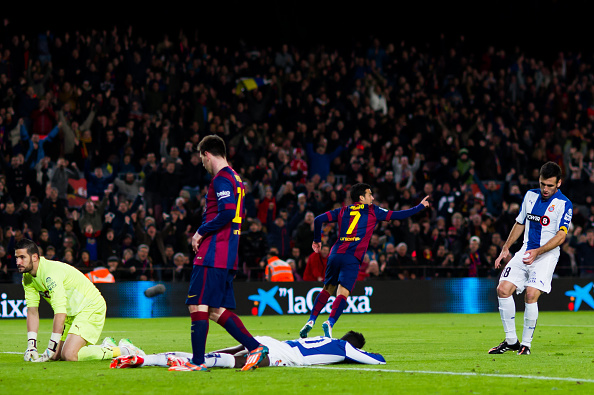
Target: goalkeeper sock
point(98, 353)
point(337, 308)
point(198, 335)
point(530, 318)
point(218, 360)
point(232, 324)
point(507, 311)
point(319, 304)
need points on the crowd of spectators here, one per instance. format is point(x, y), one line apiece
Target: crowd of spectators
point(98, 165)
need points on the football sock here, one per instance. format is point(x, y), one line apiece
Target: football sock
point(319, 304)
point(337, 307)
point(232, 324)
point(97, 353)
point(216, 360)
point(198, 335)
point(155, 360)
point(507, 310)
point(530, 317)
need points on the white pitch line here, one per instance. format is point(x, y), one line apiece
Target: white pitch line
point(510, 376)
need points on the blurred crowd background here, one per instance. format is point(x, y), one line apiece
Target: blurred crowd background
point(98, 131)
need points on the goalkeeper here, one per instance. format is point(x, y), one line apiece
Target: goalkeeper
point(79, 310)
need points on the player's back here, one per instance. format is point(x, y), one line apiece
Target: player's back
point(355, 227)
point(323, 350)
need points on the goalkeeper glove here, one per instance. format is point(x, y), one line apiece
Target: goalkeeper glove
point(31, 354)
point(51, 348)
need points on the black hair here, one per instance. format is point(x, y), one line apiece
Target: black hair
point(28, 245)
point(551, 169)
point(358, 190)
point(213, 144)
point(356, 339)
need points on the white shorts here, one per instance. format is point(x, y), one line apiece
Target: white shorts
point(538, 275)
point(280, 353)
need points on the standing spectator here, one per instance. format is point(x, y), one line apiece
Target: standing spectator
point(315, 267)
point(585, 255)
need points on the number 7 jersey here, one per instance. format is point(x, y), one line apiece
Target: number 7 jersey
point(356, 224)
point(221, 223)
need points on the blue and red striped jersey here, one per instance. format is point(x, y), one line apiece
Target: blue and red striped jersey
point(221, 223)
point(356, 224)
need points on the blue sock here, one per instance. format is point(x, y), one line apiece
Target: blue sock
point(232, 324)
point(198, 336)
point(337, 308)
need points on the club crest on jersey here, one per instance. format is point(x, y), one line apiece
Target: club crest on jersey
point(552, 208)
point(544, 220)
point(223, 194)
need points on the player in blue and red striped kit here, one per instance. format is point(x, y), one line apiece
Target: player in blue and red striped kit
point(355, 227)
point(216, 245)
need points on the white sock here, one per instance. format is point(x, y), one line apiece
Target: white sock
point(530, 318)
point(216, 360)
point(507, 310)
point(155, 360)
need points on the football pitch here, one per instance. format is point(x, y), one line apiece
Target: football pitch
point(425, 354)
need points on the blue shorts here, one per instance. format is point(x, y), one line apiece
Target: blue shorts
point(342, 269)
point(212, 287)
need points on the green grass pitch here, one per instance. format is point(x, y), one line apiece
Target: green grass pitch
point(425, 353)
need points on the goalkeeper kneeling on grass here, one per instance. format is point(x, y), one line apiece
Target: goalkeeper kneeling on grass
point(79, 310)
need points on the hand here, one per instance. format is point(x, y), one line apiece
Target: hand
point(31, 354)
point(502, 255)
point(425, 201)
point(196, 240)
point(316, 247)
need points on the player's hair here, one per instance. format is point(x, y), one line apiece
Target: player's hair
point(213, 144)
point(551, 169)
point(356, 339)
point(358, 190)
point(28, 245)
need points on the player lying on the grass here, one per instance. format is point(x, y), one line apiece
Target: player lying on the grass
point(301, 352)
point(79, 310)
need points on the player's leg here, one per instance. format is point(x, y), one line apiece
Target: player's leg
point(513, 279)
point(198, 307)
point(319, 303)
point(347, 277)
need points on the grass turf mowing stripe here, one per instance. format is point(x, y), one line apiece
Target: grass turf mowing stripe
point(511, 376)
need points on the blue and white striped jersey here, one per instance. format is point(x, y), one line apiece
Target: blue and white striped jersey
point(323, 351)
point(543, 219)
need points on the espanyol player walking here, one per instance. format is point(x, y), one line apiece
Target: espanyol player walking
point(543, 220)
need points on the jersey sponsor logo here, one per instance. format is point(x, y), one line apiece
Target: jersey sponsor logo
point(543, 220)
point(299, 304)
point(50, 284)
point(568, 215)
point(350, 238)
point(14, 305)
point(223, 194)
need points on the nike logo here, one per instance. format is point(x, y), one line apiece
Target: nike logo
point(191, 296)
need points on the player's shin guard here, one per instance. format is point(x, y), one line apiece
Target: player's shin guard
point(97, 353)
point(232, 324)
point(530, 318)
point(319, 304)
point(507, 310)
point(198, 336)
point(337, 308)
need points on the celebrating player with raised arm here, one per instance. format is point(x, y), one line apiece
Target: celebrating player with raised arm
point(301, 352)
point(543, 220)
point(216, 245)
point(79, 310)
point(355, 227)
